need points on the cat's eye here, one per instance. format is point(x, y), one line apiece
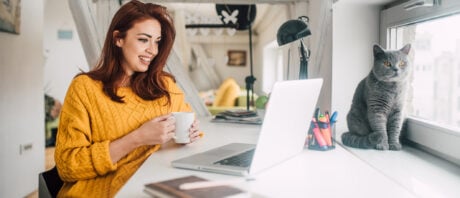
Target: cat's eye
point(402, 64)
point(387, 63)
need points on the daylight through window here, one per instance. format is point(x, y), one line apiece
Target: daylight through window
point(435, 90)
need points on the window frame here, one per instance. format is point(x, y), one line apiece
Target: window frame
point(439, 140)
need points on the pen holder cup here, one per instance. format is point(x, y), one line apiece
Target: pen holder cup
point(321, 136)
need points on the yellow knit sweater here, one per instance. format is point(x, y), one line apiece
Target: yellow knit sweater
point(89, 121)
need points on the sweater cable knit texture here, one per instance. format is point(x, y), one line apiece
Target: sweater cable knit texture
point(89, 121)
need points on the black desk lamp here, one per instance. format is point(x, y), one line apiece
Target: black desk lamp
point(294, 30)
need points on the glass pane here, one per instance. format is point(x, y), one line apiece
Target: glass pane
point(435, 91)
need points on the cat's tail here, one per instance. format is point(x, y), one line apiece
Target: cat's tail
point(356, 141)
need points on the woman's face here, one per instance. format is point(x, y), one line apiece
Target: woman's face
point(140, 45)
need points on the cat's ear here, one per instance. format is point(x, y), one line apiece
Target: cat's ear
point(378, 50)
point(405, 49)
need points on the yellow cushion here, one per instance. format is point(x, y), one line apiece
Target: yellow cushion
point(228, 91)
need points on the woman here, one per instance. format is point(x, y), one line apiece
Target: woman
point(118, 114)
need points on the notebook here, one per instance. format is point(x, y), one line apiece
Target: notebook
point(282, 136)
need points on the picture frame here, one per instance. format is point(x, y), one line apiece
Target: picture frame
point(10, 16)
point(236, 58)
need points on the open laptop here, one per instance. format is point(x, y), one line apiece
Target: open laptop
point(282, 136)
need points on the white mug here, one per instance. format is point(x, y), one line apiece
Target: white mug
point(184, 121)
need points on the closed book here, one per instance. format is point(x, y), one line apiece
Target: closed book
point(255, 120)
point(239, 113)
point(238, 116)
point(170, 189)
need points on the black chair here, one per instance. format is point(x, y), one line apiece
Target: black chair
point(49, 183)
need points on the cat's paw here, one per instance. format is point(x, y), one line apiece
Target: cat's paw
point(395, 146)
point(375, 138)
point(382, 146)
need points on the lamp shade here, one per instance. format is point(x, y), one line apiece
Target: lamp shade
point(292, 30)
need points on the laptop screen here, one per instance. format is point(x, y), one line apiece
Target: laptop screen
point(287, 118)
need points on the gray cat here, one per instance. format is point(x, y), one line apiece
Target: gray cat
point(376, 115)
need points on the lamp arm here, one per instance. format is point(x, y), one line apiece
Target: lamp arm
point(304, 51)
point(304, 56)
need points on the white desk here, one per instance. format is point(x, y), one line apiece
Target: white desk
point(334, 173)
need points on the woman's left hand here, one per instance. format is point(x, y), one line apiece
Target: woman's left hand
point(194, 131)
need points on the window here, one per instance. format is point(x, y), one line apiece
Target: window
point(272, 58)
point(437, 52)
point(433, 107)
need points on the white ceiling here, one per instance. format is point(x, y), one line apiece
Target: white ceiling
point(229, 1)
point(207, 7)
point(375, 2)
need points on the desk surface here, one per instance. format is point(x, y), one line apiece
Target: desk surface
point(334, 173)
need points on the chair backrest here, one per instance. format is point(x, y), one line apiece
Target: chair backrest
point(49, 183)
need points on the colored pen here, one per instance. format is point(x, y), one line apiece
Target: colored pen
point(328, 120)
point(317, 112)
point(330, 128)
point(319, 138)
point(325, 130)
point(311, 140)
point(333, 118)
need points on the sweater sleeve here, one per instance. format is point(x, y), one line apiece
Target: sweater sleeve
point(77, 156)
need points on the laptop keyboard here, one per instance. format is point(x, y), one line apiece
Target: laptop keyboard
point(242, 160)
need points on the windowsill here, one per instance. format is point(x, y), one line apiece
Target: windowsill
point(419, 172)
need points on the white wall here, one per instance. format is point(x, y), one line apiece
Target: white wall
point(320, 42)
point(22, 103)
point(356, 29)
point(267, 31)
point(218, 51)
point(63, 57)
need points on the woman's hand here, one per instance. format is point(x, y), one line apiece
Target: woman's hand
point(158, 130)
point(155, 131)
point(194, 131)
point(162, 129)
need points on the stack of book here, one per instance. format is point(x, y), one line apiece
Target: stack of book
point(238, 116)
point(172, 189)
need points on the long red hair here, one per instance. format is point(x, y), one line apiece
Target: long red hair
point(149, 85)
